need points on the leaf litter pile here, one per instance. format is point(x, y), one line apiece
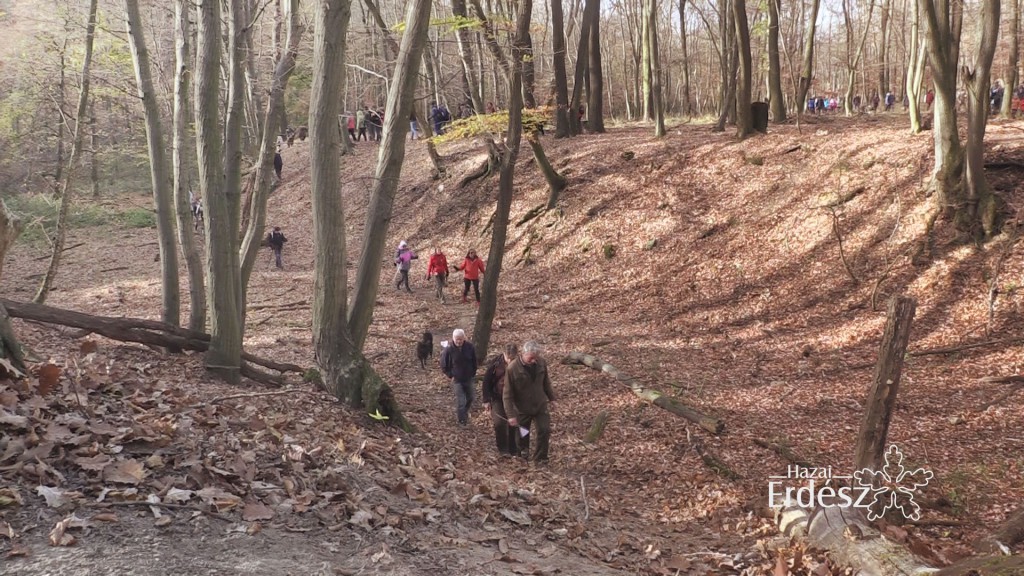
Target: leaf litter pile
point(702, 268)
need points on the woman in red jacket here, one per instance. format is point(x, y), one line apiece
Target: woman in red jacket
point(472, 267)
point(437, 267)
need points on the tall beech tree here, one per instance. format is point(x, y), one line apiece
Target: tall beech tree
point(775, 98)
point(562, 111)
point(338, 333)
point(179, 158)
point(509, 156)
point(219, 162)
point(744, 117)
point(1013, 60)
point(807, 63)
point(161, 179)
point(977, 214)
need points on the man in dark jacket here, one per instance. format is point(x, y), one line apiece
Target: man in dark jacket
point(276, 241)
point(458, 361)
point(506, 436)
point(526, 397)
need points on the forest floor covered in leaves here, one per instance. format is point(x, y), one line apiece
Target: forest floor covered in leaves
point(705, 268)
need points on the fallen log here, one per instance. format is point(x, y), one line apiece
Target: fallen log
point(142, 331)
point(850, 540)
point(710, 423)
point(1005, 537)
point(786, 452)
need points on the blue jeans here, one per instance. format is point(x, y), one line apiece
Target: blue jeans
point(463, 399)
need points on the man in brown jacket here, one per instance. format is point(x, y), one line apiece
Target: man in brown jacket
point(526, 396)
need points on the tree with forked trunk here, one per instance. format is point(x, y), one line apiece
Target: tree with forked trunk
point(161, 179)
point(339, 333)
point(219, 161)
point(978, 213)
point(807, 65)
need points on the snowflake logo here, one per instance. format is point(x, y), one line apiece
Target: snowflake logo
point(893, 486)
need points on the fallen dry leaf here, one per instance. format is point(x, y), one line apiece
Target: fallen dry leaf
point(105, 517)
point(93, 463)
point(221, 499)
point(256, 511)
point(59, 535)
point(124, 472)
point(49, 376)
point(517, 516)
point(10, 497)
point(177, 495)
point(13, 420)
point(5, 530)
point(18, 550)
point(88, 347)
point(55, 497)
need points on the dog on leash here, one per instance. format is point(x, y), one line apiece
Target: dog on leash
point(425, 348)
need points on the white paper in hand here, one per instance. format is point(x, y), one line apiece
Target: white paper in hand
point(524, 432)
point(444, 343)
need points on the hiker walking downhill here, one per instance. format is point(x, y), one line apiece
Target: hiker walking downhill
point(276, 241)
point(458, 362)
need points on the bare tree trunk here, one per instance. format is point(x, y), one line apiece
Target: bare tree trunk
point(1014, 57)
point(853, 62)
point(466, 55)
point(218, 162)
point(657, 98)
point(94, 165)
point(10, 348)
point(388, 171)
point(562, 111)
point(744, 117)
point(490, 38)
point(884, 32)
point(81, 119)
point(346, 372)
point(62, 119)
point(183, 208)
point(265, 165)
point(881, 402)
point(580, 73)
point(499, 230)
point(775, 97)
point(160, 178)
point(687, 100)
point(978, 214)
point(943, 22)
point(644, 70)
point(915, 76)
point(595, 93)
point(807, 68)
point(253, 93)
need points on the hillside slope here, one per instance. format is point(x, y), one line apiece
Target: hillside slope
point(727, 287)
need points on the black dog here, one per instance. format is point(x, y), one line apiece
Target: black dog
point(425, 348)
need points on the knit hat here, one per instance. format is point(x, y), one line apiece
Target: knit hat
point(403, 244)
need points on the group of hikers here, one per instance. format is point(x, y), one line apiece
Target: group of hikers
point(516, 390)
point(472, 268)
